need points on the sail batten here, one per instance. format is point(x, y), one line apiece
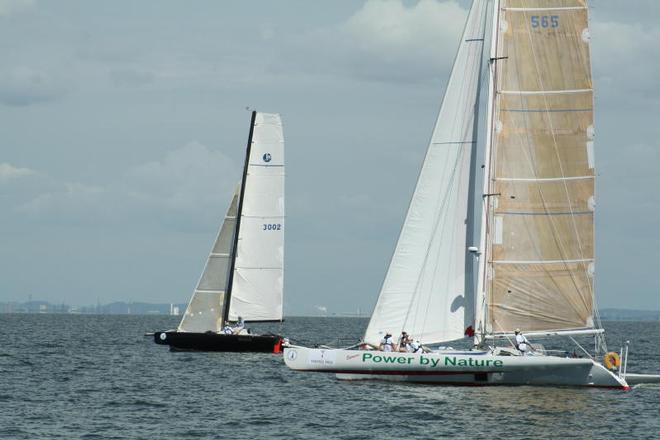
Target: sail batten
point(544, 92)
point(547, 8)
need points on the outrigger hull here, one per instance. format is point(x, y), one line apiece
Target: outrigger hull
point(453, 368)
point(185, 341)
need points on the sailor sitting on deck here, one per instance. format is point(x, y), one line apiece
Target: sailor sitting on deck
point(522, 344)
point(415, 346)
point(227, 330)
point(387, 344)
point(404, 342)
point(239, 326)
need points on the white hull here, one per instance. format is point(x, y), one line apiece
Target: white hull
point(453, 368)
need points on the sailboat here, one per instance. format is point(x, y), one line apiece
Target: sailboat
point(243, 276)
point(499, 234)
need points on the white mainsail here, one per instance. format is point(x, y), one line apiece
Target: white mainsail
point(540, 216)
point(205, 309)
point(258, 279)
point(424, 292)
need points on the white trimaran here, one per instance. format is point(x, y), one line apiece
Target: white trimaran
point(524, 257)
point(243, 275)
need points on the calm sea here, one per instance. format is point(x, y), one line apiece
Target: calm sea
point(98, 377)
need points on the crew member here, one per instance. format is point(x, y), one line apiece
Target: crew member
point(240, 325)
point(404, 342)
point(387, 344)
point(522, 344)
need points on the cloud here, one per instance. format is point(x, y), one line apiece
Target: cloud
point(9, 172)
point(23, 86)
point(383, 41)
point(68, 203)
point(11, 7)
point(186, 179)
point(392, 32)
point(188, 188)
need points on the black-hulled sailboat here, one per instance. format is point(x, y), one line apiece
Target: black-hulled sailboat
point(243, 275)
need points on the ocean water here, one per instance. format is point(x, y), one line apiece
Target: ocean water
point(99, 377)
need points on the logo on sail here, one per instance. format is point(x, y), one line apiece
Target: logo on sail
point(267, 157)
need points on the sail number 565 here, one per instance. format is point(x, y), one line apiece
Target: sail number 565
point(272, 227)
point(545, 21)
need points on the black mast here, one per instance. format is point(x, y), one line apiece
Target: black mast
point(230, 283)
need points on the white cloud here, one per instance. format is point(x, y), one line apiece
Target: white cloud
point(68, 202)
point(396, 33)
point(10, 7)
point(9, 172)
point(186, 179)
point(384, 41)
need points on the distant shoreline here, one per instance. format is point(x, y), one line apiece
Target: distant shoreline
point(148, 309)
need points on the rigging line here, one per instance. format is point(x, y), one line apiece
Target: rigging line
point(561, 168)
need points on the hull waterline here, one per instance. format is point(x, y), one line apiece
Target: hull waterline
point(184, 341)
point(453, 368)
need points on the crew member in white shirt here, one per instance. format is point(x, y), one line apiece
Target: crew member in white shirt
point(387, 343)
point(522, 344)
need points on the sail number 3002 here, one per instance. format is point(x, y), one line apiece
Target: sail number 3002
point(545, 21)
point(272, 227)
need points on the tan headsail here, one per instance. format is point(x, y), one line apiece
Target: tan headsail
point(205, 309)
point(540, 246)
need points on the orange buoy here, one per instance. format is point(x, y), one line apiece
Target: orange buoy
point(611, 360)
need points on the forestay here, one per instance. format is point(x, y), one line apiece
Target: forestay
point(256, 293)
point(541, 245)
point(204, 311)
point(424, 290)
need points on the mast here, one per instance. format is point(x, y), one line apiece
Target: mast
point(471, 285)
point(225, 307)
point(480, 311)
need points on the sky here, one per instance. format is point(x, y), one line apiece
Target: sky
point(123, 128)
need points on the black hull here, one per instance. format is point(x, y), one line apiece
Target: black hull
point(182, 341)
